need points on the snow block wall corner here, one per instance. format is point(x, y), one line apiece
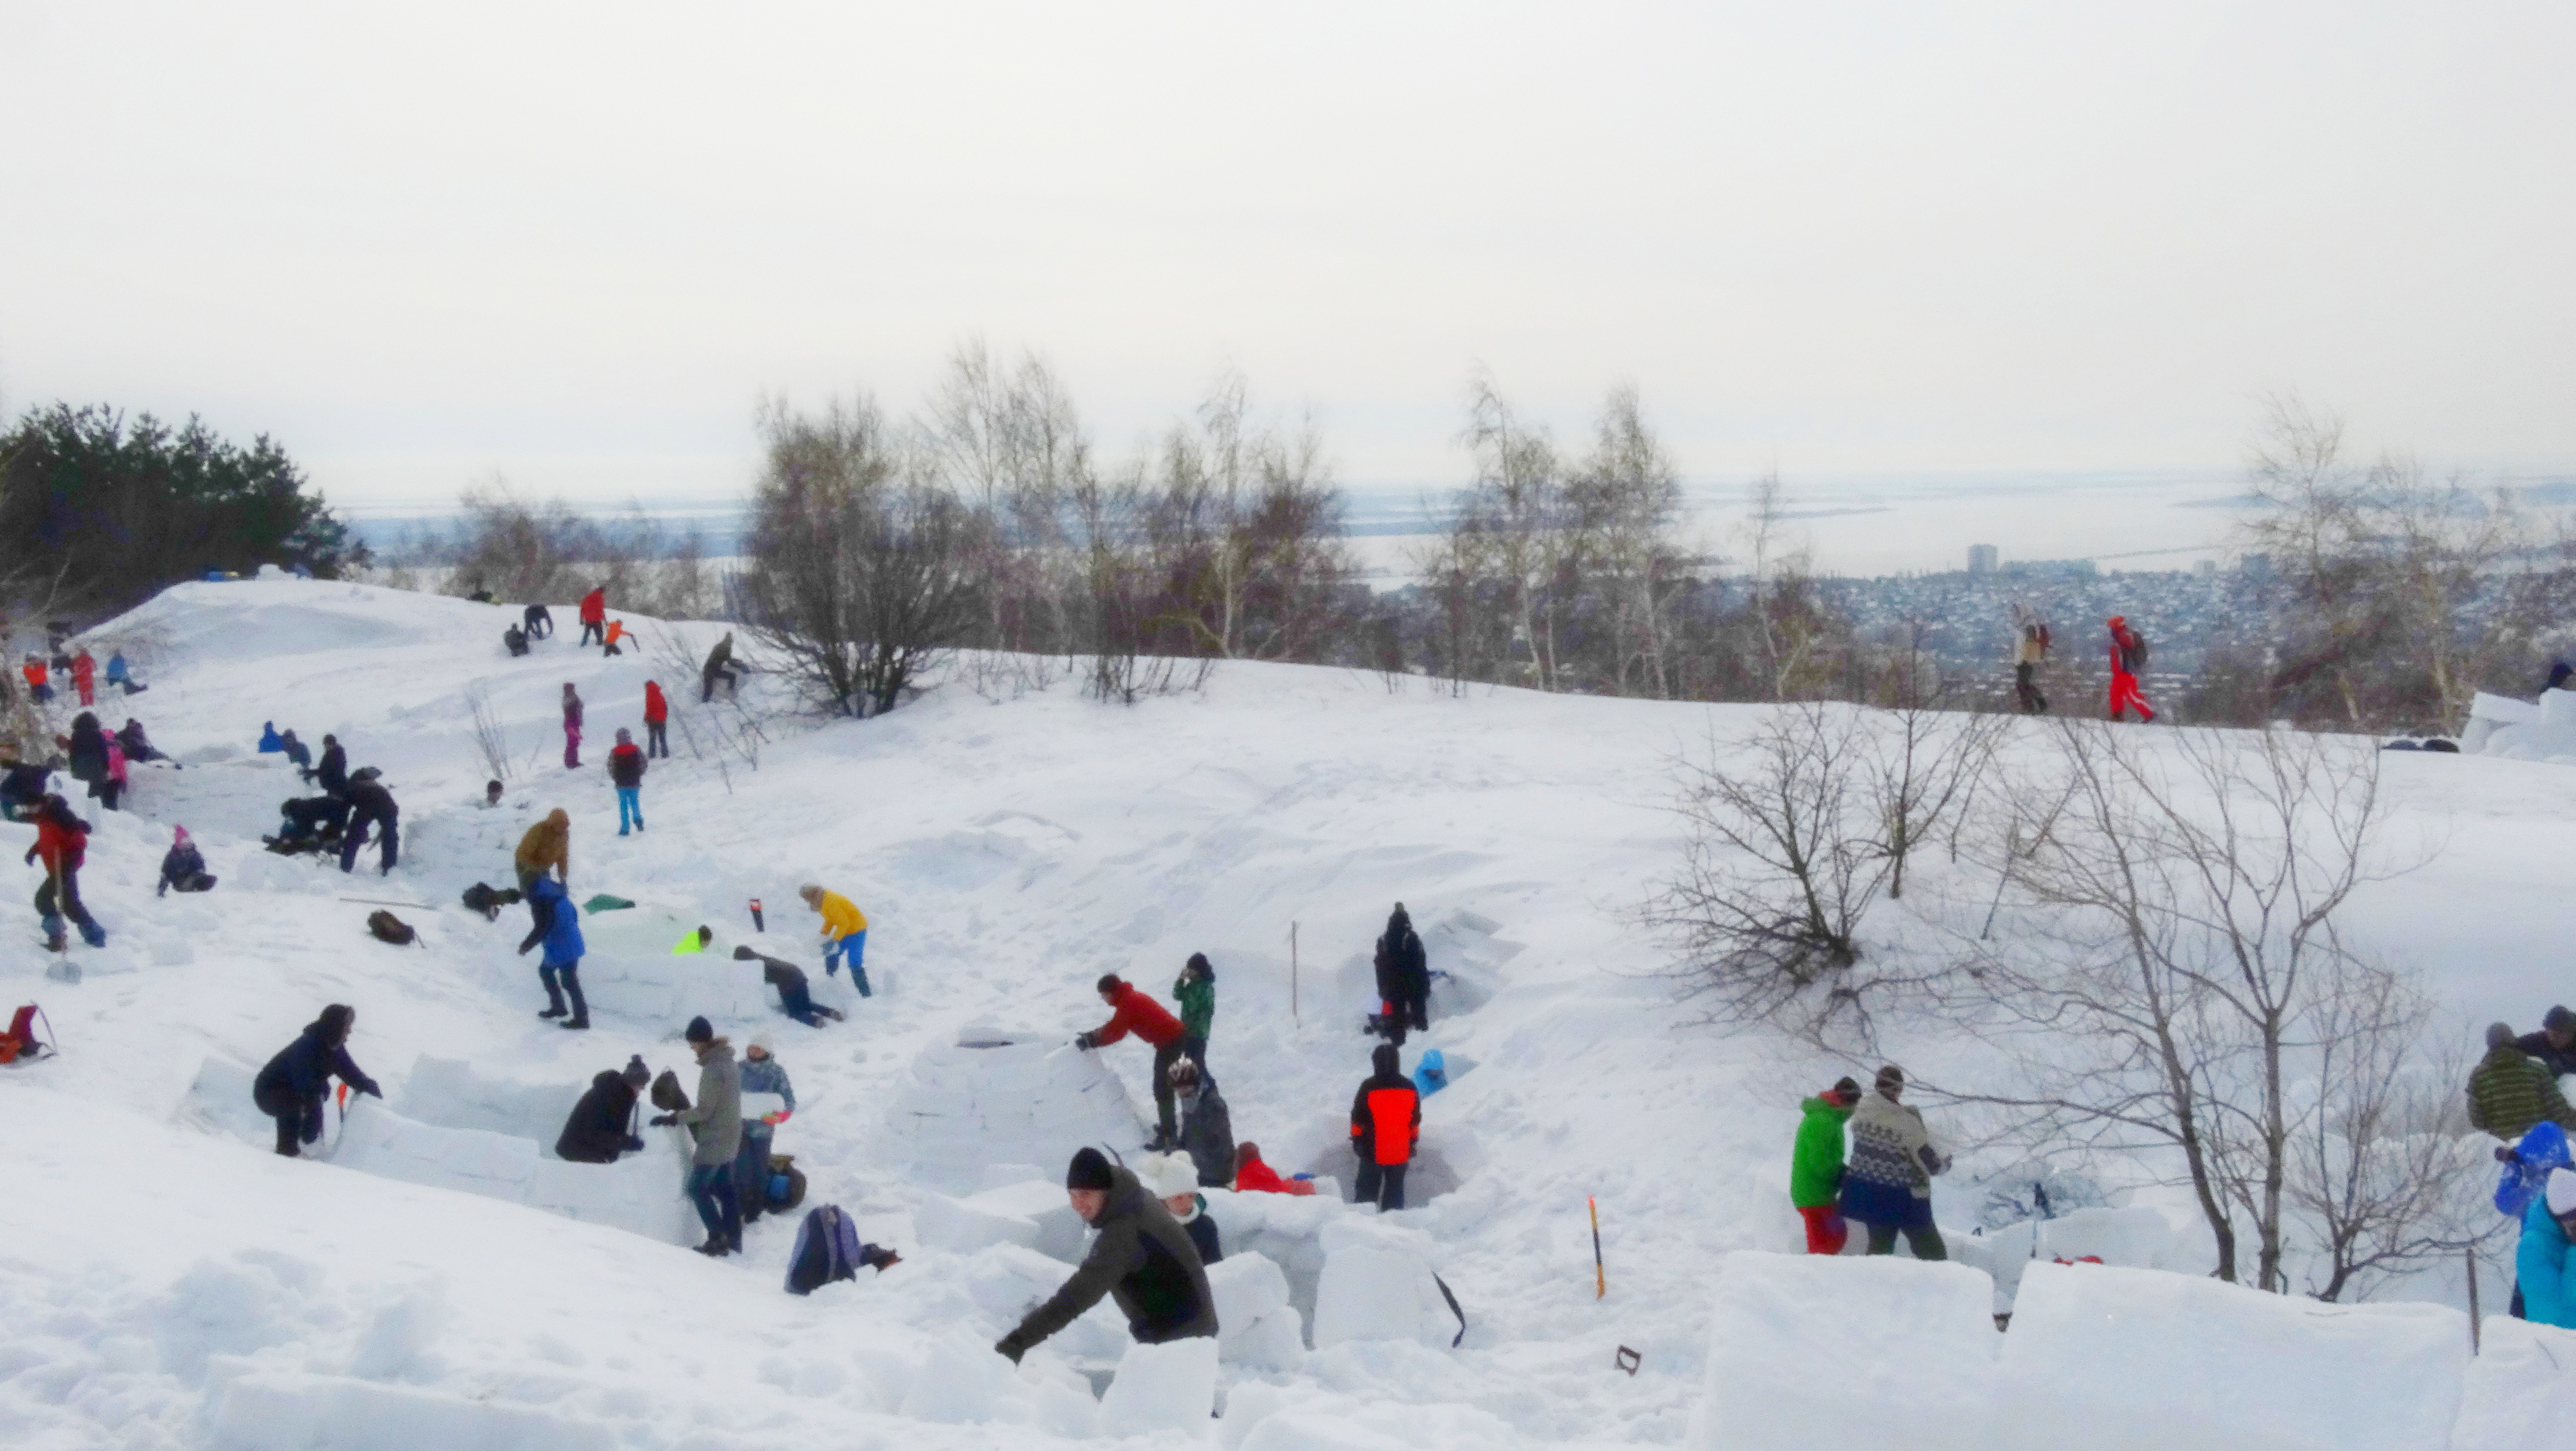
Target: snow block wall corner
point(995, 1097)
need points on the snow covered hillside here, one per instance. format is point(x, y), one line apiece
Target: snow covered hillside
point(173, 1283)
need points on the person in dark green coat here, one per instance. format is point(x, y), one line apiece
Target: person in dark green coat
point(1816, 1166)
point(1196, 993)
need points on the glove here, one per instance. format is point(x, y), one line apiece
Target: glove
point(1009, 1345)
point(664, 1120)
point(372, 1091)
point(1082, 1041)
point(774, 1119)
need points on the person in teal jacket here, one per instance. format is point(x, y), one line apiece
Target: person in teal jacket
point(1816, 1166)
point(2548, 1280)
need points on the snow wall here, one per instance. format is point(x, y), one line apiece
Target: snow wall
point(999, 1097)
point(1809, 1350)
point(2521, 730)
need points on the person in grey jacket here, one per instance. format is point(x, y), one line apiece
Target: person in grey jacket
point(716, 1120)
point(761, 1073)
point(1207, 1130)
point(1141, 1257)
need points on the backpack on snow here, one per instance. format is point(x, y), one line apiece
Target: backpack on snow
point(483, 899)
point(784, 1185)
point(390, 928)
point(827, 1249)
point(20, 1044)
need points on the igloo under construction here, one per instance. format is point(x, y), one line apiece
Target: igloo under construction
point(996, 1097)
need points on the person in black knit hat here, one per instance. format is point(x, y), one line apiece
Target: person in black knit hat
point(1142, 1257)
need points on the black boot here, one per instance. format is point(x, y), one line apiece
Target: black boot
point(574, 1022)
point(556, 1011)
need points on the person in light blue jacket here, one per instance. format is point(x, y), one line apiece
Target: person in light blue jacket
point(761, 1073)
point(2548, 1280)
point(558, 926)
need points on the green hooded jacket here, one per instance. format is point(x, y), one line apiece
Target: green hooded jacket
point(1198, 1003)
point(1816, 1165)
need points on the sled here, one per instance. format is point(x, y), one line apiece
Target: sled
point(602, 902)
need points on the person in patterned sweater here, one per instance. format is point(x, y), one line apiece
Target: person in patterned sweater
point(1887, 1185)
point(2509, 1090)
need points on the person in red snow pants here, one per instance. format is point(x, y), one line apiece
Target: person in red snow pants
point(2125, 694)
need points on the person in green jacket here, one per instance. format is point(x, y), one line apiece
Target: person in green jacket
point(2509, 1090)
point(1816, 1166)
point(1196, 993)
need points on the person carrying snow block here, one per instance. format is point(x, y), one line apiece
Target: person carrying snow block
point(369, 801)
point(1175, 1179)
point(716, 1122)
point(597, 1132)
point(594, 615)
point(761, 1072)
point(1816, 1165)
point(184, 867)
point(1195, 991)
point(559, 928)
point(2509, 1091)
point(295, 1082)
point(2540, 1262)
point(1887, 1186)
point(572, 727)
point(1207, 1129)
point(62, 841)
point(548, 844)
point(2128, 657)
point(845, 934)
point(1386, 1125)
point(657, 721)
point(626, 773)
point(1130, 1010)
point(1141, 1257)
point(2554, 1046)
point(1403, 977)
point(794, 998)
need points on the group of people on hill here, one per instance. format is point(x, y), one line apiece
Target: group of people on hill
point(100, 760)
point(2514, 1095)
point(80, 669)
point(348, 805)
point(1869, 1158)
point(2128, 657)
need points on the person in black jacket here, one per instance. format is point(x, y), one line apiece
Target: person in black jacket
point(537, 622)
point(291, 1088)
point(598, 1130)
point(137, 746)
point(87, 748)
point(370, 801)
point(1403, 977)
point(183, 866)
point(332, 774)
point(795, 998)
point(2554, 1046)
point(23, 790)
point(1141, 1256)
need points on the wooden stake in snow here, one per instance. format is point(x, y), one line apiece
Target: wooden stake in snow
point(1292, 974)
point(2471, 1255)
point(1600, 1276)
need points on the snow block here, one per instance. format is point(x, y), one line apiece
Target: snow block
point(1377, 1285)
point(2220, 1368)
point(265, 1411)
point(1255, 1323)
point(1813, 1350)
point(1169, 1387)
point(2518, 1391)
point(1060, 1231)
point(640, 1193)
point(1026, 1098)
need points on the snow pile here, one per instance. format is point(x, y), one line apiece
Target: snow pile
point(995, 1097)
point(2521, 730)
point(2519, 1389)
point(2138, 1237)
point(1255, 1323)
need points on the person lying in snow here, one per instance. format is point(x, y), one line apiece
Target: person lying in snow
point(795, 998)
point(1141, 1257)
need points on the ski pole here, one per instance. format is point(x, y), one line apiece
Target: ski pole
point(1600, 1276)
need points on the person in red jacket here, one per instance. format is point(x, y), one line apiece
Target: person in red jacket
point(594, 616)
point(85, 677)
point(62, 839)
point(657, 717)
point(626, 772)
point(1130, 1010)
point(1386, 1122)
point(36, 675)
point(2124, 679)
point(1254, 1176)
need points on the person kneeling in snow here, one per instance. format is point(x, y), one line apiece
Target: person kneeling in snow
point(1141, 1257)
point(1888, 1184)
point(291, 1088)
point(184, 867)
point(794, 998)
point(2541, 1262)
point(761, 1072)
point(1816, 1166)
point(1175, 1180)
point(600, 1127)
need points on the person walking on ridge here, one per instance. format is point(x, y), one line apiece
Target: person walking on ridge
point(2128, 657)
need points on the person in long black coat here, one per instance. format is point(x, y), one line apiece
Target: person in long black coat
point(295, 1082)
point(597, 1131)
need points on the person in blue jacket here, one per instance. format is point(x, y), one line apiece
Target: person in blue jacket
point(2541, 1263)
point(270, 742)
point(295, 1082)
point(559, 928)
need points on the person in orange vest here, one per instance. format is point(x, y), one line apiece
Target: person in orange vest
point(594, 614)
point(1130, 1010)
point(657, 719)
point(616, 632)
point(37, 675)
point(1386, 1123)
point(85, 677)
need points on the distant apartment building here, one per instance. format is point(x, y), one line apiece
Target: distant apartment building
point(1982, 559)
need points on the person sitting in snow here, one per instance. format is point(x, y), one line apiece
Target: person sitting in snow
point(491, 794)
point(1816, 1165)
point(2554, 1046)
point(183, 867)
point(761, 1073)
point(1130, 1010)
point(1141, 1257)
point(514, 640)
point(1386, 1125)
point(2509, 1091)
point(1887, 1186)
point(136, 745)
point(795, 997)
point(295, 1082)
point(2541, 1262)
point(1207, 1129)
point(601, 1125)
point(270, 742)
point(1175, 1179)
point(1252, 1175)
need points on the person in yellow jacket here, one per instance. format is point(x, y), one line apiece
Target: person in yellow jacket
point(548, 844)
point(845, 934)
point(695, 941)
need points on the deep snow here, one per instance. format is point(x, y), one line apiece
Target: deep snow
point(176, 1285)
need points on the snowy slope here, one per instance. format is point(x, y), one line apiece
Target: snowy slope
point(1007, 854)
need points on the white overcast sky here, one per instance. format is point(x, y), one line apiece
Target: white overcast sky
point(576, 244)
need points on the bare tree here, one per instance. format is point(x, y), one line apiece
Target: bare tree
point(1627, 498)
point(1923, 766)
point(491, 738)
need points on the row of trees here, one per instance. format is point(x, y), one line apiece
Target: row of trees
point(519, 550)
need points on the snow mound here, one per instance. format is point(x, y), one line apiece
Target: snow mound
point(2518, 1390)
point(640, 1193)
point(996, 1097)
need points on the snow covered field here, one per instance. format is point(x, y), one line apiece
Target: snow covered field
point(168, 1282)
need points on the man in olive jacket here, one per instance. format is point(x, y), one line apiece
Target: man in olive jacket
point(1141, 1257)
point(717, 1123)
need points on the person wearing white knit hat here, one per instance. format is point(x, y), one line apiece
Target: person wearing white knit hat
point(761, 1074)
point(2548, 1280)
point(1174, 1179)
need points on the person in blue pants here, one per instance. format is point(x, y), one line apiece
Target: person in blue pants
point(559, 928)
point(761, 1073)
point(626, 772)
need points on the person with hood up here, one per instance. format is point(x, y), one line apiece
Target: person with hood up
point(1207, 1128)
point(2509, 1091)
point(37, 689)
point(1816, 1165)
point(62, 841)
point(626, 773)
point(548, 845)
point(1403, 977)
point(1386, 1124)
point(600, 1127)
point(1195, 991)
point(845, 934)
point(594, 615)
point(116, 772)
point(657, 721)
point(183, 867)
point(1887, 1186)
point(295, 1082)
point(23, 790)
point(2541, 1262)
point(514, 640)
point(86, 749)
point(85, 676)
point(572, 727)
point(369, 801)
point(1174, 1178)
point(1132, 1011)
point(1252, 1175)
point(121, 676)
point(558, 926)
point(1141, 1257)
point(2128, 654)
point(761, 1072)
point(795, 996)
point(719, 666)
point(716, 1122)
